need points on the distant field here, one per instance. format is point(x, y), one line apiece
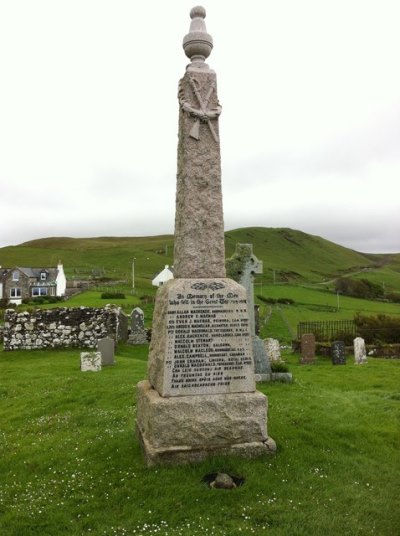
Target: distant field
point(311, 305)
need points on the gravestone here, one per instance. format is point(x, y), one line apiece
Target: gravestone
point(138, 333)
point(360, 352)
point(242, 267)
point(338, 353)
point(257, 319)
point(90, 361)
point(200, 399)
point(106, 347)
point(122, 327)
point(307, 348)
point(272, 349)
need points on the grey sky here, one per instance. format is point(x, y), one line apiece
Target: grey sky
point(310, 128)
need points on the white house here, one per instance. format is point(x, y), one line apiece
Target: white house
point(163, 276)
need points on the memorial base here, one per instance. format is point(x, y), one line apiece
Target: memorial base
point(189, 429)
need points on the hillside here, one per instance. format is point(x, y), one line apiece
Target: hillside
point(288, 256)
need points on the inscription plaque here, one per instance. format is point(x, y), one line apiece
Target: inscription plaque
point(208, 345)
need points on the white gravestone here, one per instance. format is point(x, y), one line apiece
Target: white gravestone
point(273, 349)
point(360, 352)
point(90, 361)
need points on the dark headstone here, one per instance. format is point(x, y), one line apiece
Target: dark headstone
point(338, 353)
point(123, 327)
point(137, 319)
point(307, 348)
point(257, 319)
point(138, 333)
point(106, 347)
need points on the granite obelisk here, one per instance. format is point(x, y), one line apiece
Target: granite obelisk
point(199, 223)
point(200, 397)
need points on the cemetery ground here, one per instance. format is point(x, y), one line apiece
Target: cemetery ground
point(71, 464)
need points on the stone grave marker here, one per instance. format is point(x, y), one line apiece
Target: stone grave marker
point(272, 349)
point(200, 398)
point(307, 348)
point(138, 333)
point(257, 319)
point(90, 361)
point(338, 353)
point(360, 352)
point(242, 267)
point(106, 347)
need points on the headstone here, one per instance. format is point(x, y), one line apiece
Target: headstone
point(122, 327)
point(90, 361)
point(242, 267)
point(106, 347)
point(338, 353)
point(307, 348)
point(272, 349)
point(257, 319)
point(360, 352)
point(199, 399)
point(138, 334)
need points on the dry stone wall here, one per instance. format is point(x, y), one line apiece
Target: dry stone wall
point(61, 327)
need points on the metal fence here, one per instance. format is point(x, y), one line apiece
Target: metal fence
point(328, 330)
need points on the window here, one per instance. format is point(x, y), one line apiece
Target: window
point(15, 292)
point(15, 276)
point(43, 276)
point(39, 291)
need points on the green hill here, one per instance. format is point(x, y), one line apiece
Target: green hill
point(288, 256)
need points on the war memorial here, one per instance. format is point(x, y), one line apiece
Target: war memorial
point(200, 397)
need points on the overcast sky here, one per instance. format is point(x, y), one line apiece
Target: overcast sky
point(310, 127)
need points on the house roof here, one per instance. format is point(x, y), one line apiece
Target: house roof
point(33, 272)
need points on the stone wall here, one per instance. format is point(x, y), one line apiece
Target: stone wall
point(61, 328)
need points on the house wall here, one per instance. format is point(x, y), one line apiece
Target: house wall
point(61, 327)
point(162, 277)
point(61, 281)
point(22, 283)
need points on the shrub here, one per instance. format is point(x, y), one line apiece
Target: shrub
point(378, 329)
point(54, 299)
point(286, 301)
point(359, 288)
point(266, 300)
point(393, 297)
point(113, 295)
point(279, 366)
point(3, 303)
point(145, 298)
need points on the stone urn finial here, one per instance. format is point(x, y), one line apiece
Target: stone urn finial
point(197, 44)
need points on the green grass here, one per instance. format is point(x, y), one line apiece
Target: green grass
point(311, 304)
point(70, 462)
point(288, 256)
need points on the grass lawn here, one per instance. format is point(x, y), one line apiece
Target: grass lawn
point(280, 320)
point(70, 463)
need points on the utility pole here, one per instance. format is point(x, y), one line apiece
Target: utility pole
point(133, 275)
